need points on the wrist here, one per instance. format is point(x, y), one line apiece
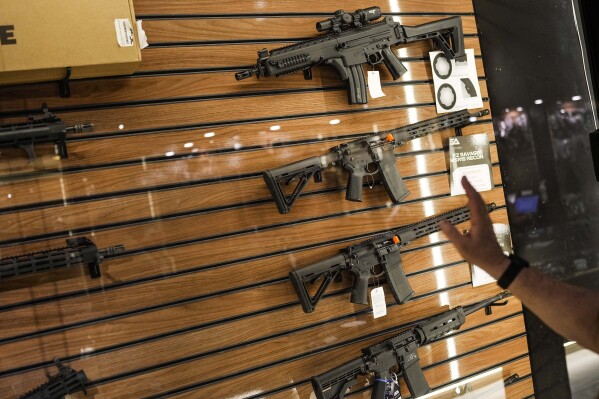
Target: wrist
point(515, 266)
point(498, 267)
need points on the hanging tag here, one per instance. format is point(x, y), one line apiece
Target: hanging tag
point(374, 84)
point(377, 298)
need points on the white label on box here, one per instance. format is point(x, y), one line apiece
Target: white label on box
point(374, 84)
point(379, 306)
point(141, 33)
point(124, 32)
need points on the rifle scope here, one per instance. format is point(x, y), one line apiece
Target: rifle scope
point(344, 20)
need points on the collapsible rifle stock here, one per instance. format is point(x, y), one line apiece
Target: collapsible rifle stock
point(78, 250)
point(366, 156)
point(46, 128)
point(379, 254)
point(354, 40)
point(399, 351)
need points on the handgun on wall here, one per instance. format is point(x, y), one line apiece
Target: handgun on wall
point(380, 254)
point(367, 156)
point(352, 40)
point(78, 250)
point(45, 128)
point(400, 351)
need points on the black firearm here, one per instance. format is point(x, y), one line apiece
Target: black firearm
point(379, 256)
point(66, 382)
point(45, 128)
point(400, 351)
point(354, 40)
point(78, 250)
point(366, 156)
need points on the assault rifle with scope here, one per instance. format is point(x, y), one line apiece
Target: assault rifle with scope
point(353, 39)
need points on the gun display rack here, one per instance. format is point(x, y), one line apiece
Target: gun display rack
point(200, 305)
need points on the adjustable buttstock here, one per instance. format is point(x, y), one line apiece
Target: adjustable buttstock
point(302, 171)
point(334, 383)
point(391, 178)
point(397, 281)
point(395, 67)
point(437, 30)
point(328, 269)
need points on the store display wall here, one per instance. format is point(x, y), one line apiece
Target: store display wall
point(199, 305)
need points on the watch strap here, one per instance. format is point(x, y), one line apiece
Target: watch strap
point(515, 267)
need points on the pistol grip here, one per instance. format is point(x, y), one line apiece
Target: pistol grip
point(354, 184)
point(359, 293)
point(395, 67)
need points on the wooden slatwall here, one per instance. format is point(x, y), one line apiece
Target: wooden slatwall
point(200, 306)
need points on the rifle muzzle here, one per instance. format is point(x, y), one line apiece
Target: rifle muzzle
point(246, 74)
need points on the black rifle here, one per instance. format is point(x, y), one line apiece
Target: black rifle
point(46, 128)
point(78, 250)
point(66, 382)
point(352, 41)
point(374, 152)
point(401, 351)
point(380, 254)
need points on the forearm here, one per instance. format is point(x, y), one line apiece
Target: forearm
point(571, 311)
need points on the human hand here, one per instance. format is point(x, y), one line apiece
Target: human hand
point(479, 246)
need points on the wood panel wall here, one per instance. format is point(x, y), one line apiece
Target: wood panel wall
point(199, 306)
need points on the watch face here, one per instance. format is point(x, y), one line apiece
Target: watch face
point(441, 66)
point(446, 96)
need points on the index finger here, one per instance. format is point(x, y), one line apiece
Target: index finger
point(477, 206)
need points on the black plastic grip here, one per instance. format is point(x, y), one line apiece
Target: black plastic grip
point(354, 184)
point(379, 386)
point(395, 67)
point(359, 292)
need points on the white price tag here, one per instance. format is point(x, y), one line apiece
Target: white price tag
point(124, 32)
point(374, 84)
point(377, 298)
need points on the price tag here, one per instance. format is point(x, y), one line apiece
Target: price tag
point(374, 84)
point(377, 298)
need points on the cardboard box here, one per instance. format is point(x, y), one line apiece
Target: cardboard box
point(39, 39)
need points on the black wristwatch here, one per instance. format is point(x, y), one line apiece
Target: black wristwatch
point(516, 265)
